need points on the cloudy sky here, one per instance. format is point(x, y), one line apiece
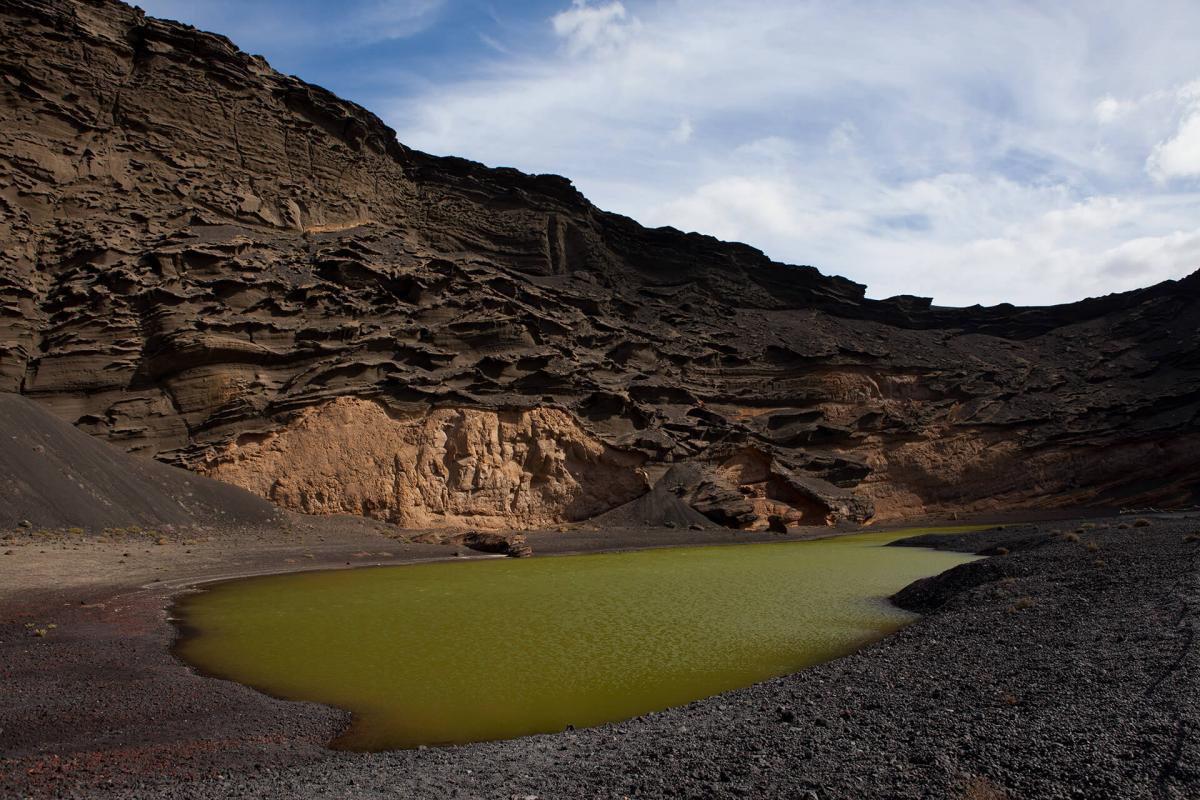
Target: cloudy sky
point(1023, 152)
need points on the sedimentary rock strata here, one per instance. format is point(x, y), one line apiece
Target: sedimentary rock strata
point(207, 262)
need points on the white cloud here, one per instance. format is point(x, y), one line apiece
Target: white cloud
point(1109, 108)
point(732, 207)
point(1154, 257)
point(942, 149)
point(683, 132)
point(282, 26)
point(1179, 156)
point(591, 28)
point(387, 19)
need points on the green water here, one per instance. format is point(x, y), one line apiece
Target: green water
point(457, 652)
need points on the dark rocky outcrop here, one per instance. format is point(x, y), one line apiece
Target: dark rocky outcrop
point(993, 541)
point(511, 545)
point(932, 593)
point(201, 254)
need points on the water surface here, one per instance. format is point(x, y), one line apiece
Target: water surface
point(468, 651)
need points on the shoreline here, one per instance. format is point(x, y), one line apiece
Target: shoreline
point(50, 745)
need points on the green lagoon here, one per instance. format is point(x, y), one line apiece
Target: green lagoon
point(455, 652)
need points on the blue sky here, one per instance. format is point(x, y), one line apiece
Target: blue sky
point(1025, 152)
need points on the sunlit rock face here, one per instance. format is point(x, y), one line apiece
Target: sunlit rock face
point(204, 258)
point(444, 467)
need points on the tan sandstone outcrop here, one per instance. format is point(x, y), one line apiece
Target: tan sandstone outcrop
point(444, 467)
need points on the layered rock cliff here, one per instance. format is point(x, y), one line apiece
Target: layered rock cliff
point(225, 268)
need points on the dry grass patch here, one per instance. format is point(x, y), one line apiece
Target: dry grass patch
point(980, 788)
point(1071, 537)
point(1021, 604)
point(1141, 523)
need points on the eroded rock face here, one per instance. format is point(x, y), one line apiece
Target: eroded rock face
point(747, 487)
point(445, 467)
point(201, 255)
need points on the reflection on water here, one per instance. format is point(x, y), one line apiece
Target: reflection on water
point(458, 652)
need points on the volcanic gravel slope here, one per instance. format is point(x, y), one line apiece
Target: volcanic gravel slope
point(1069, 672)
point(221, 266)
point(60, 476)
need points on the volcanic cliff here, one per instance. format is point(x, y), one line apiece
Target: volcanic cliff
point(228, 269)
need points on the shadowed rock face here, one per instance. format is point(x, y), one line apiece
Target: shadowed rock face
point(222, 267)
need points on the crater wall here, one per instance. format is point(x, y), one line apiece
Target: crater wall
point(215, 265)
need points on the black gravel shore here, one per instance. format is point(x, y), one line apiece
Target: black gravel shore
point(1063, 668)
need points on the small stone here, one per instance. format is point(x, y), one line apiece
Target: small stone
point(24, 524)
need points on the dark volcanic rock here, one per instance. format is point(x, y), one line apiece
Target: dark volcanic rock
point(990, 542)
point(934, 592)
point(485, 542)
point(202, 255)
